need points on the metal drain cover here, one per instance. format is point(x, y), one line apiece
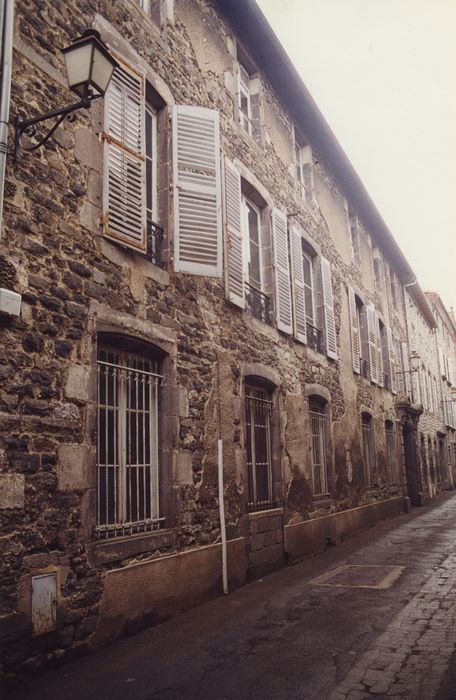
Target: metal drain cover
point(360, 576)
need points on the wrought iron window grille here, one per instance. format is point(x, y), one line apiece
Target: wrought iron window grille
point(258, 304)
point(314, 337)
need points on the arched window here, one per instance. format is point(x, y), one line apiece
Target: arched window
point(128, 440)
point(319, 445)
point(258, 409)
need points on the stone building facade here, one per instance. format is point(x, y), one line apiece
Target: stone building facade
point(203, 279)
point(445, 338)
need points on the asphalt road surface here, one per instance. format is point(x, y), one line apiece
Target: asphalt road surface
point(287, 636)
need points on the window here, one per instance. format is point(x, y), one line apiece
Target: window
point(128, 443)
point(257, 302)
point(249, 90)
point(247, 282)
point(304, 171)
point(152, 8)
point(377, 262)
point(353, 225)
point(391, 453)
point(311, 280)
point(313, 331)
point(393, 287)
point(252, 232)
point(258, 407)
point(368, 448)
point(130, 164)
point(385, 355)
point(245, 109)
point(318, 441)
point(359, 340)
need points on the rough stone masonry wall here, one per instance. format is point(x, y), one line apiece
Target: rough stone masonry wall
point(73, 282)
point(422, 339)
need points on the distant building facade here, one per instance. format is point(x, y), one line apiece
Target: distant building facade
point(203, 277)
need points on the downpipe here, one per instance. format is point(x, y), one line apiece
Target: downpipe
point(222, 515)
point(7, 20)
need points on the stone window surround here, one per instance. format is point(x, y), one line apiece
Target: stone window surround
point(323, 394)
point(271, 379)
point(120, 548)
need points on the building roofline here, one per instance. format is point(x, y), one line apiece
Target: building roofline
point(253, 30)
point(435, 299)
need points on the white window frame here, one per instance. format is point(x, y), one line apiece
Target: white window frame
point(151, 213)
point(245, 204)
point(310, 319)
point(245, 120)
point(319, 445)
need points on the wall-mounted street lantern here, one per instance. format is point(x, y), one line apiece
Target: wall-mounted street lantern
point(89, 68)
point(415, 362)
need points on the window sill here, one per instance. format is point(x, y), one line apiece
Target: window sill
point(107, 551)
point(257, 514)
point(323, 500)
point(120, 255)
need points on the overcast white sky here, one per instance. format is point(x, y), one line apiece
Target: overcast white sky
point(383, 73)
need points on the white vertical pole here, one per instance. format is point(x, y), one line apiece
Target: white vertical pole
point(222, 515)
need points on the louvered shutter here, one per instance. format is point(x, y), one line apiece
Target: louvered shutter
point(197, 191)
point(442, 363)
point(392, 360)
point(235, 290)
point(354, 330)
point(379, 352)
point(406, 366)
point(450, 371)
point(299, 309)
point(328, 308)
point(399, 366)
point(281, 271)
point(124, 210)
point(372, 342)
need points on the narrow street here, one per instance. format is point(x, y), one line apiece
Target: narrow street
point(286, 637)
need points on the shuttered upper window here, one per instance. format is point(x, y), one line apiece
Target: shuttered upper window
point(130, 164)
point(124, 214)
point(197, 191)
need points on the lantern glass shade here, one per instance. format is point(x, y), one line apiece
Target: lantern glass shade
point(89, 65)
point(415, 361)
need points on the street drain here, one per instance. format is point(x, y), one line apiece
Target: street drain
point(360, 576)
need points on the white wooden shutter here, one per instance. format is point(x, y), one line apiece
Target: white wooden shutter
point(235, 289)
point(297, 276)
point(328, 308)
point(372, 342)
point(281, 271)
point(379, 352)
point(354, 330)
point(406, 365)
point(442, 363)
point(124, 209)
point(399, 367)
point(392, 360)
point(197, 191)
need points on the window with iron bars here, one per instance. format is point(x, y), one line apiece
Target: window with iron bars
point(258, 408)
point(368, 449)
point(318, 428)
point(127, 449)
